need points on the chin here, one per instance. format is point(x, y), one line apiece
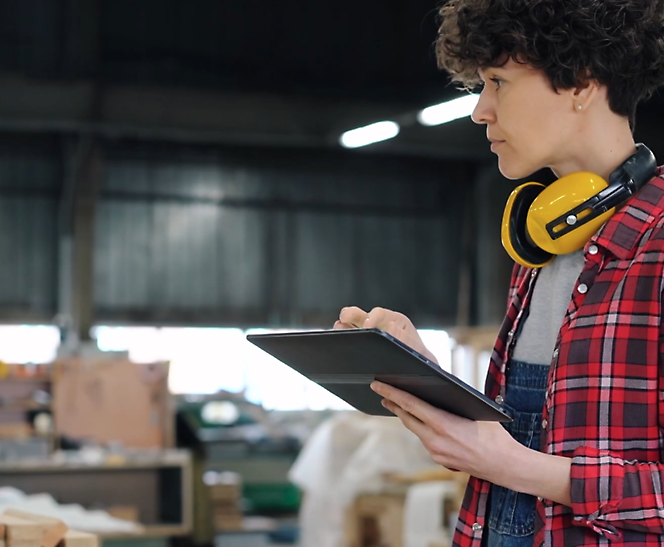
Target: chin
point(515, 170)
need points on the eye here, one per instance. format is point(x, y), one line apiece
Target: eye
point(498, 82)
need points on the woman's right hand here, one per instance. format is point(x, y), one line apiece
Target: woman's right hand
point(393, 323)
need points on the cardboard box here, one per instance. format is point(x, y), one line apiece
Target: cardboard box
point(229, 523)
point(225, 492)
point(113, 400)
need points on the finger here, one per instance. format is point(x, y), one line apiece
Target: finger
point(400, 320)
point(353, 316)
point(411, 404)
point(393, 329)
point(377, 319)
point(424, 432)
point(419, 428)
point(342, 326)
point(381, 318)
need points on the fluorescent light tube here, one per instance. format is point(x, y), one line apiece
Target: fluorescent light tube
point(449, 111)
point(369, 134)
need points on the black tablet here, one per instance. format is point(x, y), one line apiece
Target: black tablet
point(345, 362)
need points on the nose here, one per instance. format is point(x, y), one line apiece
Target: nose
point(485, 111)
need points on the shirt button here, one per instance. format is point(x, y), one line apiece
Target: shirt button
point(499, 400)
point(583, 288)
point(593, 250)
point(578, 518)
point(545, 423)
point(556, 352)
point(540, 499)
point(477, 527)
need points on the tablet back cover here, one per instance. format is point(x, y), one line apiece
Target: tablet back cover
point(345, 362)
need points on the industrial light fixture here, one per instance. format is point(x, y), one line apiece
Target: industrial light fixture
point(369, 134)
point(449, 111)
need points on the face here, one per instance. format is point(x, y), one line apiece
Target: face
point(529, 124)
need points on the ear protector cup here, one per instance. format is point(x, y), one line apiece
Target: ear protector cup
point(514, 234)
point(540, 222)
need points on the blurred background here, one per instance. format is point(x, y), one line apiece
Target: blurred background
point(175, 175)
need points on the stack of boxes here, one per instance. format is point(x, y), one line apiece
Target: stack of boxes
point(225, 497)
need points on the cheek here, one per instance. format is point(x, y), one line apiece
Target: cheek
point(535, 135)
point(528, 126)
point(549, 121)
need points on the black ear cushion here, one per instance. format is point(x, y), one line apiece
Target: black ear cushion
point(521, 243)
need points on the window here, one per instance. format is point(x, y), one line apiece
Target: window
point(29, 344)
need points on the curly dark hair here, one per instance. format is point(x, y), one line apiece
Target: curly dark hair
point(619, 43)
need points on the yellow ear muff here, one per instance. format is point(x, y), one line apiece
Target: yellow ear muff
point(515, 238)
point(540, 222)
point(563, 195)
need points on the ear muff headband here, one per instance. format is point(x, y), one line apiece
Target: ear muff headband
point(540, 222)
point(514, 235)
point(623, 183)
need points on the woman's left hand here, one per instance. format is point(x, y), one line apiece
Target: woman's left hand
point(481, 449)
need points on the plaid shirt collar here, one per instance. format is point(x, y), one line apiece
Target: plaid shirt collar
point(623, 231)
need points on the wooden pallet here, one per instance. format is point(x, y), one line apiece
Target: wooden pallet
point(21, 529)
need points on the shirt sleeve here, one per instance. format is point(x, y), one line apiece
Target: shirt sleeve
point(609, 494)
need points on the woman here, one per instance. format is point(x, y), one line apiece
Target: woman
point(579, 361)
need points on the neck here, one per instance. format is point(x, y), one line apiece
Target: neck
point(601, 148)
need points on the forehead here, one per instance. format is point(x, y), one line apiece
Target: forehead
point(510, 67)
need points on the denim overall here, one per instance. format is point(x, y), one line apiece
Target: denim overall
point(511, 515)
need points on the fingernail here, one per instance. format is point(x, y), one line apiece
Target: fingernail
point(384, 403)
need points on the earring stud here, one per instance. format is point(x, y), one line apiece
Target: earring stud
point(579, 107)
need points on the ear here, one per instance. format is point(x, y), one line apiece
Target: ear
point(585, 94)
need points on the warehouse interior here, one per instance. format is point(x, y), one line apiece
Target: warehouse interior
point(172, 179)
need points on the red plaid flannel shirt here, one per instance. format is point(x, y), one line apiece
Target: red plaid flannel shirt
point(604, 404)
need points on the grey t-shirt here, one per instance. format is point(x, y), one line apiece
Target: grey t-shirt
point(550, 300)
